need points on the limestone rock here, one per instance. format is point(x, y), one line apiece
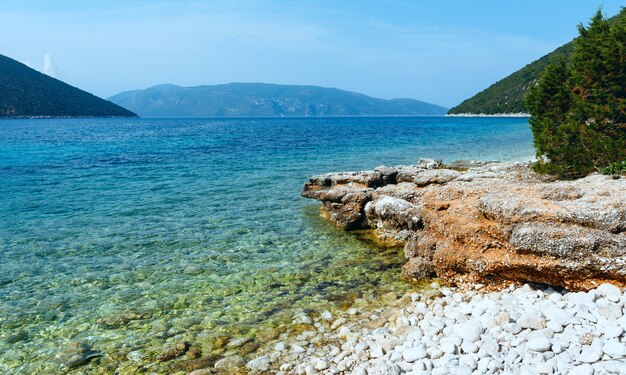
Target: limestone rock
point(493, 224)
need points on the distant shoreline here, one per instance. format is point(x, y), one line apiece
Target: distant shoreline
point(520, 114)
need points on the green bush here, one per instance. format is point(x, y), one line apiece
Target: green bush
point(615, 169)
point(578, 107)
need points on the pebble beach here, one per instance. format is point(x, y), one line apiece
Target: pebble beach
point(442, 330)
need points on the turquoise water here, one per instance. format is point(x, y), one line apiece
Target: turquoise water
point(129, 235)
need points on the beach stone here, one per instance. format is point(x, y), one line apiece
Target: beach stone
point(321, 365)
point(613, 331)
point(326, 315)
point(532, 320)
point(17, 337)
point(469, 347)
point(539, 344)
point(361, 346)
point(259, 364)
point(470, 331)
point(609, 291)
point(203, 371)
point(229, 363)
point(302, 319)
point(448, 347)
point(427, 163)
point(338, 323)
point(136, 356)
point(220, 342)
point(376, 352)
point(413, 354)
point(584, 369)
point(173, 352)
point(236, 343)
point(590, 354)
point(610, 311)
point(614, 349)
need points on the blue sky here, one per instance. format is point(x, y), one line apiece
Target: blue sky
point(437, 51)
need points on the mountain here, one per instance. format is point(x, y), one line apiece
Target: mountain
point(25, 92)
point(261, 99)
point(507, 95)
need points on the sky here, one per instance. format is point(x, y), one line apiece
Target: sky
point(439, 51)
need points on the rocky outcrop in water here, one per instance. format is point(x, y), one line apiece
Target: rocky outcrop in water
point(491, 224)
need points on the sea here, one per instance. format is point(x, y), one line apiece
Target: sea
point(127, 236)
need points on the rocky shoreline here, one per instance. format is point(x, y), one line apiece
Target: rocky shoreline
point(532, 272)
point(492, 224)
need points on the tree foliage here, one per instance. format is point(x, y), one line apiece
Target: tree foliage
point(578, 107)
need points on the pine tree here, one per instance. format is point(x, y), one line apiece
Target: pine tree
point(578, 108)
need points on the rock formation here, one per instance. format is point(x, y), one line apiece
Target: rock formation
point(493, 224)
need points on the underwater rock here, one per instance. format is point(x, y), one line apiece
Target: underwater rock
point(492, 224)
point(77, 355)
point(173, 352)
point(122, 319)
point(17, 337)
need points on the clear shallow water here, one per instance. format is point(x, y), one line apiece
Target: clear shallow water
point(133, 234)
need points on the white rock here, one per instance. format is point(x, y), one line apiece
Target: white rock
point(321, 365)
point(470, 330)
point(613, 331)
point(376, 352)
point(413, 354)
point(358, 348)
point(135, 356)
point(589, 354)
point(609, 312)
point(539, 344)
point(513, 328)
point(302, 319)
point(469, 347)
point(326, 315)
point(259, 364)
point(338, 323)
point(344, 331)
point(614, 348)
point(483, 364)
point(614, 367)
point(395, 356)
point(448, 347)
point(584, 369)
point(297, 348)
point(609, 290)
point(285, 367)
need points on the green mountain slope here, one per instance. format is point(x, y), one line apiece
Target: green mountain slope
point(260, 99)
point(507, 95)
point(25, 92)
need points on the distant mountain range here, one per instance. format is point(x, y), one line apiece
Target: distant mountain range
point(25, 92)
point(507, 95)
point(261, 99)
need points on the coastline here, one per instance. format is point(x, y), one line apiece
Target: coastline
point(502, 326)
point(496, 115)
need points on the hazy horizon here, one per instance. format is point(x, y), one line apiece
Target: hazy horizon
point(440, 53)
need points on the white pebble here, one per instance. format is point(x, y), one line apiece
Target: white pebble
point(539, 344)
